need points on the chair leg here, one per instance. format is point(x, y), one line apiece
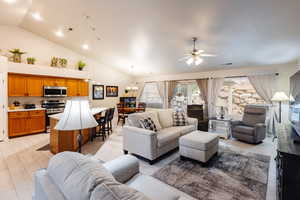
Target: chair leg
point(110, 126)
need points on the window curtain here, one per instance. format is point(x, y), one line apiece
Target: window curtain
point(264, 86)
point(203, 86)
point(215, 85)
point(161, 86)
point(171, 88)
point(140, 90)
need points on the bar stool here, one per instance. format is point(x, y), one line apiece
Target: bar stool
point(103, 125)
point(110, 118)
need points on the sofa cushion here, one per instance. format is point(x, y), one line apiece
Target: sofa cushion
point(148, 124)
point(248, 130)
point(187, 129)
point(77, 175)
point(165, 117)
point(179, 118)
point(199, 140)
point(133, 119)
point(164, 136)
point(153, 188)
point(116, 191)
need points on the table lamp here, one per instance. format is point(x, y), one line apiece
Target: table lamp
point(76, 116)
point(280, 97)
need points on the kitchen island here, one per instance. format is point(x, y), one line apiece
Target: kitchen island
point(67, 140)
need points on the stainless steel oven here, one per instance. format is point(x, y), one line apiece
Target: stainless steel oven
point(50, 91)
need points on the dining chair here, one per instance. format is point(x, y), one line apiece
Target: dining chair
point(110, 118)
point(122, 115)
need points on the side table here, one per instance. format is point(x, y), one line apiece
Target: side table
point(221, 127)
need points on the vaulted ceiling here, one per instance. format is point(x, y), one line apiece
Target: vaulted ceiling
point(152, 35)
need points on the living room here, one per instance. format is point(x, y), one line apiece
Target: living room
point(144, 99)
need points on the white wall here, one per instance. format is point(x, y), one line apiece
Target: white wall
point(43, 50)
point(282, 80)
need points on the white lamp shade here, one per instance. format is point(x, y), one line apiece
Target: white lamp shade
point(280, 96)
point(77, 116)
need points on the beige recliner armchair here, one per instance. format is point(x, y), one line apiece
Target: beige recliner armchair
point(252, 128)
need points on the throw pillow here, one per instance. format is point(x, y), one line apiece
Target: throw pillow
point(148, 124)
point(179, 119)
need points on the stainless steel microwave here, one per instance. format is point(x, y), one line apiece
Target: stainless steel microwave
point(51, 91)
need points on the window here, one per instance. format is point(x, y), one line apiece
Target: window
point(235, 94)
point(151, 96)
point(186, 93)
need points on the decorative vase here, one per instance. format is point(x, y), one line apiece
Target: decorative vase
point(17, 57)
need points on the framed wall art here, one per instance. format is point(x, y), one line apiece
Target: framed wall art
point(98, 92)
point(112, 91)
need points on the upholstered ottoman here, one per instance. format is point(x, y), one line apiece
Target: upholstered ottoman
point(198, 145)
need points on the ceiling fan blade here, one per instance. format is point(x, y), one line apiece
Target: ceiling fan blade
point(207, 55)
point(184, 58)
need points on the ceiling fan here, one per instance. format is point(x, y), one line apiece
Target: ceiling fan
point(195, 56)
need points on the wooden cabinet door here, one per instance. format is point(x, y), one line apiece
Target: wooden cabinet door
point(37, 124)
point(60, 82)
point(16, 85)
point(72, 85)
point(18, 123)
point(49, 81)
point(34, 86)
point(83, 87)
point(37, 120)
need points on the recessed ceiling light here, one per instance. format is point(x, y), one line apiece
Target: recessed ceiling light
point(85, 47)
point(10, 1)
point(37, 16)
point(59, 33)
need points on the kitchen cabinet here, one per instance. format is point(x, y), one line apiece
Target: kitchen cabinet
point(26, 122)
point(77, 87)
point(53, 81)
point(20, 85)
point(16, 85)
point(83, 88)
point(72, 85)
point(34, 86)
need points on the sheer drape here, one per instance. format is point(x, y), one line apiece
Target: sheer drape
point(265, 88)
point(215, 85)
point(171, 88)
point(140, 90)
point(161, 86)
point(203, 86)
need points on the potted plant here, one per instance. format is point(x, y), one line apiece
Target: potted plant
point(16, 55)
point(31, 60)
point(81, 65)
point(63, 62)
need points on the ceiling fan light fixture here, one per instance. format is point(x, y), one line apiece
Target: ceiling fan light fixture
point(198, 61)
point(190, 61)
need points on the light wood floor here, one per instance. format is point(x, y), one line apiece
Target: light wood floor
point(19, 159)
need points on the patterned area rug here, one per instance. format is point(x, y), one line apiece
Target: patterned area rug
point(229, 176)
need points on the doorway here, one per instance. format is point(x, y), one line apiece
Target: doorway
point(2, 107)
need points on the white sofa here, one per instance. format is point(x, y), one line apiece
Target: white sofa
point(149, 144)
point(73, 176)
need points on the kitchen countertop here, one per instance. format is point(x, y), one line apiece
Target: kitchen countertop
point(94, 111)
point(23, 109)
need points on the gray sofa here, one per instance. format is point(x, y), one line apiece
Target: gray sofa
point(252, 128)
point(149, 144)
point(73, 176)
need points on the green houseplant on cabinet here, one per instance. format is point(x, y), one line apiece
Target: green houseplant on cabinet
point(17, 53)
point(31, 60)
point(81, 65)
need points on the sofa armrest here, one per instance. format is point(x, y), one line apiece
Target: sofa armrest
point(123, 168)
point(140, 141)
point(260, 130)
point(192, 121)
point(236, 123)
